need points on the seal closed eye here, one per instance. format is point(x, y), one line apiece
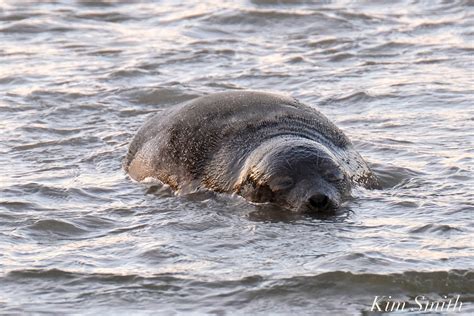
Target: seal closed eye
point(262, 146)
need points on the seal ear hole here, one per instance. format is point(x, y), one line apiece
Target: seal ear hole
point(319, 202)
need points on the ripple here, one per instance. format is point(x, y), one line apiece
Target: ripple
point(257, 17)
point(391, 176)
point(25, 26)
point(57, 227)
point(71, 141)
point(158, 96)
point(18, 205)
point(435, 228)
point(360, 16)
point(44, 129)
point(340, 56)
point(323, 285)
point(128, 73)
point(59, 193)
point(453, 281)
point(387, 47)
point(357, 96)
point(114, 17)
point(14, 17)
point(325, 42)
point(158, 254)
point(13, 80)
point(105, 52)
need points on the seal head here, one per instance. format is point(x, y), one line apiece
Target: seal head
point(296, 174)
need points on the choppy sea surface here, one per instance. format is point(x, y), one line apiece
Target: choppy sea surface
point(78, 78)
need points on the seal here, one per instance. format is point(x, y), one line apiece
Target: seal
point(264, 147)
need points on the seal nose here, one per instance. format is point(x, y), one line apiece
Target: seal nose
point(319, 202)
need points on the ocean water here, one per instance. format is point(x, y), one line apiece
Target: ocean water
point(78, 78)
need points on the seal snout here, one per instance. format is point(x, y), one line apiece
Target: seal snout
point(320, 202)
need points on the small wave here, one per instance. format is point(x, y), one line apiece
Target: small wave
point(104, 16)
point(72, 141)
point(40, 273)
point(254, 17)
point(127, 229)
point(58, 274)
point(218, 51)
point(57, 227)
point(388, 47)
point(99, 3)
point(105, 52)
point(16, 16)
point(354, 97)
point(268, 213)
point(352, 16)
point(13, 80)
point(391, 176)
point(92, 193)
point(214, 41)
point(44, 129)
point(128, 73)
point(59, 193)
point(341, 56)
point(325, 42)
point(65, 96)
point(431, 61)
point(281, 2)
point(222, 85)
point(257, 18)
point(156, 96)
point(181, 17)
point(413, 283)
point(325, 284)
point(25, 26)
point(18, 205)
point(435, 228)
point(158, 254)
point(433, 25)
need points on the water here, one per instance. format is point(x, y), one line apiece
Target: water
point(77, 79)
